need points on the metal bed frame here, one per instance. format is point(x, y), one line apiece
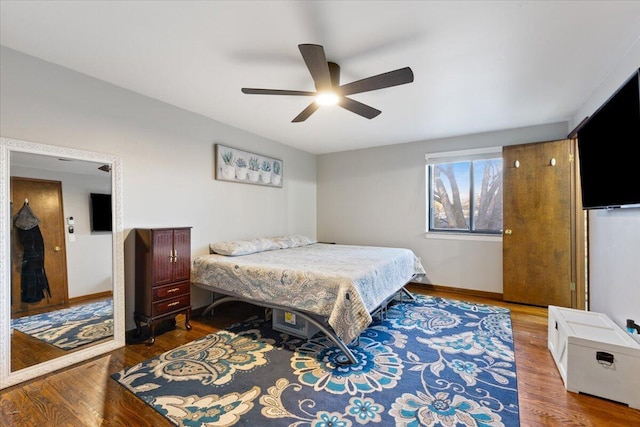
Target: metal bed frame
point(318, 321)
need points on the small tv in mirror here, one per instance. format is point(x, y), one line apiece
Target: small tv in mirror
point(100, 212)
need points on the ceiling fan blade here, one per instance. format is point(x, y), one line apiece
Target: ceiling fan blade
point(304, 115)
point(334, 72)
point(358, 108)
point(381, 81)
point(314, 57)
point(253, 91)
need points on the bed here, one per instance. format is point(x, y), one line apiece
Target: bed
point(335, 287)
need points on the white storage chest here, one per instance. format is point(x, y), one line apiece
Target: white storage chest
point(594, 355)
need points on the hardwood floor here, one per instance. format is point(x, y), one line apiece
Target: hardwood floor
point(85, 395)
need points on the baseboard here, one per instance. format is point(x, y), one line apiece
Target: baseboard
point(415, 286)
point(98, 295)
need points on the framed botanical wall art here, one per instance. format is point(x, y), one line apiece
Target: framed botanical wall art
point(250, 168)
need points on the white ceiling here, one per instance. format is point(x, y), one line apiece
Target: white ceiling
point(55, 163)
point(479, 65)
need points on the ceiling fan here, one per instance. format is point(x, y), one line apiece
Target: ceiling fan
point(326, 76)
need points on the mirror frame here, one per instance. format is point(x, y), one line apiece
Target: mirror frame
point(7, 377)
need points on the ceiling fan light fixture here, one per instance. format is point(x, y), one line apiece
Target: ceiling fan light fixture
point(329, 91)
point(327, 98)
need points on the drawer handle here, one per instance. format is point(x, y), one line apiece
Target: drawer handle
point(604, 358)
point(173, 303)
point(170, 291)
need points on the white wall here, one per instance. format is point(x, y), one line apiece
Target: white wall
point(377, 197)
point(614, 236)
point(167, 156)
point(87, 271)
point(371, 196)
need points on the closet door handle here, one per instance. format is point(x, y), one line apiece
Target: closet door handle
point(508, 232)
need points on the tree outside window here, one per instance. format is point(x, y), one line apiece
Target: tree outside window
point(465, 195)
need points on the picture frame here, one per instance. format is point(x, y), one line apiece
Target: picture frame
point(236, 165)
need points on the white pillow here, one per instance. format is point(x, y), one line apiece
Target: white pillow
point(242, 247)
point(292, 241)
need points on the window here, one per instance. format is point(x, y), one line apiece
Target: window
point(464, 191)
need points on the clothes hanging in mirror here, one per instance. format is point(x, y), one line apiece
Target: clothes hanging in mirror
point(33, 277)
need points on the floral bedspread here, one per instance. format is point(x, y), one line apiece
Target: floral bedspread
point(342, 283)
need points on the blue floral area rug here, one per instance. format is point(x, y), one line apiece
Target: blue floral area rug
point(71, 327)
point(431, 362)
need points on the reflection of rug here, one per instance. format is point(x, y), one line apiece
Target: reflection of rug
point(70, 327)
point(435, 362)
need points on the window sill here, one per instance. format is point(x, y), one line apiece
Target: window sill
point(496, 238)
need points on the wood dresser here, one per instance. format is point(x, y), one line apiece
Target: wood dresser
point(163, 276)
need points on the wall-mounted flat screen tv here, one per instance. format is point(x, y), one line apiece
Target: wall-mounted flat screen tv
point(100, 212)
point(607, 143)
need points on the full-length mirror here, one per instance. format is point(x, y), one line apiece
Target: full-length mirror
point(61, 281)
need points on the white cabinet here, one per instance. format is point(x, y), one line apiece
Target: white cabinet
point(594, 355)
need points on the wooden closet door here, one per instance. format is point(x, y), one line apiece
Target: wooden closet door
point(537, 214)
point(45, 199)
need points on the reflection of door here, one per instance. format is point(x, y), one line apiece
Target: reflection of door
point(45, 199)
point(539, 207)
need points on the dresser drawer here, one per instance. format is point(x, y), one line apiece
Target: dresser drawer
point(171, 291)
point(170, 305)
